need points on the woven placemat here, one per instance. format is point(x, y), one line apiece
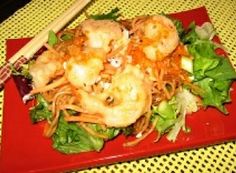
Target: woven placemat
point(29, 20)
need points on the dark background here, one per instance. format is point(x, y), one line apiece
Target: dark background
point(8, 7)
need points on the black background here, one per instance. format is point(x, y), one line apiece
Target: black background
point(8, 7)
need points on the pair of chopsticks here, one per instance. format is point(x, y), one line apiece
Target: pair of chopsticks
point(27, 52)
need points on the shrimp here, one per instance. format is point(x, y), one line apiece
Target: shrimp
point(132, 98)
point(83, 72)
point(47, 66)
point(101, 34)
point(159, 35)
point(85, 65)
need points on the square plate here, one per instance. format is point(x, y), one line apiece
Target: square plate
point(24, 149)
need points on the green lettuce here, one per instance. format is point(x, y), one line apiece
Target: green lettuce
point(179, 26)
point(112, 15)
point(171, 114)
point(71, 138)
point(67, 36)
point(215, 94)
point(109, 132)
point(206, 31)
point(190, 36)
point(223, 71)
point(40, 112)
point(166, 116)
point(212, 72)
point(205, 58)
point(52, 38)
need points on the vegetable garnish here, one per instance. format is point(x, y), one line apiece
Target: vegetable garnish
point(132, 77)
point(213, 73)
point(112, 15)
point(52, 38)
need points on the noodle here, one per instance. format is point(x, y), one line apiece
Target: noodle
point(136, 141)
point(72, 107)
point(51, 127)
point(142, 124)
point(54, 102)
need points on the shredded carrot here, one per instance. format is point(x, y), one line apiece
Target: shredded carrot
point(138, 56)
point(92, 132)
point(50, 86)
point(82, 117)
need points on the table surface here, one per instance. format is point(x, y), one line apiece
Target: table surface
point(36, 15)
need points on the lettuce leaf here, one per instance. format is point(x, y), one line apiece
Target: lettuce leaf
point(67, 36)
point(213, 95)
point(223, 71)
point(204, 57)
point(190, 36)
point(179, 26)
point(71, 138)
point(186, 103)
point(109, 132)
point(40, 112)
point(206, 31)
point(52, 38)
point(112, 15)
point(213, 73)
point(166, 116)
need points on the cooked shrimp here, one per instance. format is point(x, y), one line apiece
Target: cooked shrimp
point(159, 35)
point(132, 98)
point(47, 66)
point(83, 72)
point(101, 34)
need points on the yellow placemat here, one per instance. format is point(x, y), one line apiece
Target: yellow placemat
point(29, 20)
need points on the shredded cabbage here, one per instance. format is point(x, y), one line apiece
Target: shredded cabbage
point(206, 31)
point(186, 103)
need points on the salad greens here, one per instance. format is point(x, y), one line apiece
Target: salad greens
point(71, 138)
point(206, 31)
point(166, 111)
point(179, 26)
point(40, 112)
point(23, 71)
point(211, 72)
point(112, 15)
point(67, 36)
point(171, 114)
point(52, 38)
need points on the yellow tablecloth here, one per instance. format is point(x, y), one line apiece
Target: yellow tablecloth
point(35, 16)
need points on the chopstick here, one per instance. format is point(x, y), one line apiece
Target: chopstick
point(26, 52)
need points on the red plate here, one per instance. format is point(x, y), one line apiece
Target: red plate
point(24, 149)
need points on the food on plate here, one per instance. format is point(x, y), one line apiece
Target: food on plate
point(108, 77)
